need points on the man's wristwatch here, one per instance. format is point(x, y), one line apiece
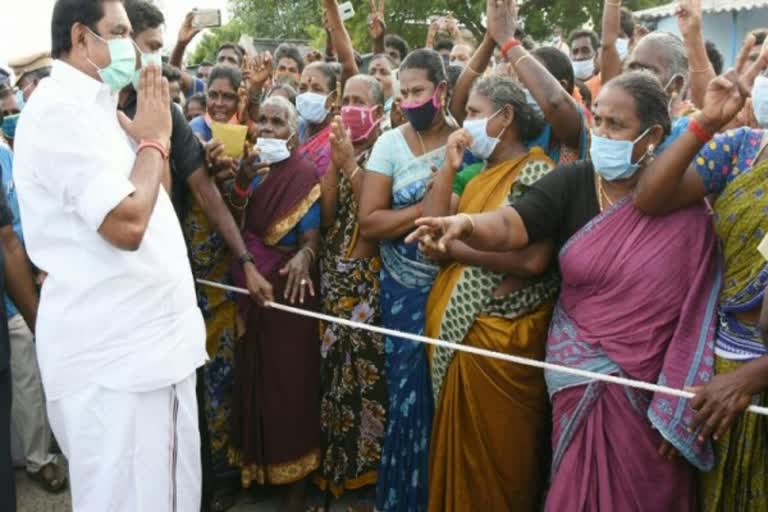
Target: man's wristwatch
point(246, 257)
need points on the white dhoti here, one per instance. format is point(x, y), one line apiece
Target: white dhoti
point(131, 452)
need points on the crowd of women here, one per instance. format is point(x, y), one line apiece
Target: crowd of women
point(617, 235)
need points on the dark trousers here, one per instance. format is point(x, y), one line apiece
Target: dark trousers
point(205, 443)
point(7, 477)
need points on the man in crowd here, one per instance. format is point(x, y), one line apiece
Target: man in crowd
point(288, 65)
point(396, 47)
point(228, 54)
point(29, 415)
point(17, 281)
point(119, 336)
point(30, 70)
point(583, 46)
point(204, 71)
point(187, 167)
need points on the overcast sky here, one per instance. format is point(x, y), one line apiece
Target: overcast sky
point(25, 25)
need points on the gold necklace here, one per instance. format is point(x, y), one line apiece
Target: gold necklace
point(601, 192)
point(423, 147)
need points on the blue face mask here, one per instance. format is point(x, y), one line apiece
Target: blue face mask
point(20, 99)
point(760, 100)
point(9, 126)
point(613, 158)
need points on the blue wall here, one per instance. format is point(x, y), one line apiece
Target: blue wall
point(718, 28)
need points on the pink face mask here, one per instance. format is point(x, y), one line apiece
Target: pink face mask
point(412, 104)
point(359, 121)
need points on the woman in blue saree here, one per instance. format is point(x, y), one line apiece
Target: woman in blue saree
point(400, 168)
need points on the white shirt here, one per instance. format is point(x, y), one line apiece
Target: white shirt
point(119, 319)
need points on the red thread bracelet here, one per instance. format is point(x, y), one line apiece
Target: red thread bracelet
point(242, 194)
point(511, 43)
point(699, 131)
point(154, 145)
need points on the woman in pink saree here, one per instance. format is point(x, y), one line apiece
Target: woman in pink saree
point(634, 302)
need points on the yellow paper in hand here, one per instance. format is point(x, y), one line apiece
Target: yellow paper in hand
point(763, 247)
point(232, 136)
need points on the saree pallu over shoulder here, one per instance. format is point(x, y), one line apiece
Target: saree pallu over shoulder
point(276, 422)
point(462, 292)
point(406, 278)
point(741, 223)
point(641, 305)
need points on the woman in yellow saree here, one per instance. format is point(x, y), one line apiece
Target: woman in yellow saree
point(490, 434)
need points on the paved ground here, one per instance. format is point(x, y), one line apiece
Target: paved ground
point(31, 498)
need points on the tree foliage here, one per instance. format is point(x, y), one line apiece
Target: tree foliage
point(301, 19)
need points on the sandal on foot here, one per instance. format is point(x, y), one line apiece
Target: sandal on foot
point(49, 478)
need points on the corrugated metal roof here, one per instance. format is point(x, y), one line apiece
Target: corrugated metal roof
point(706, 5)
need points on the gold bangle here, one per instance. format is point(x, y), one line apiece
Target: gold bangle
point(705, 70)
point(471, 222)
point(521, 59)
point(354, 173)
point(471, 70)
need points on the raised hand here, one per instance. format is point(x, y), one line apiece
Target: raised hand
point(750, 72)
point(458, 142)
point(502, 19)
point(187, 32)
point(689, 16)
point(376, 25)
point(251, 166)
point(724, 98)
point(215, 159)
point(342, 150)
point(440, 231)
point(153, 113)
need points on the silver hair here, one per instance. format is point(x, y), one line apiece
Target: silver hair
point(502, 91)
point(292, 117)
point(673, 50)
point(374, 88)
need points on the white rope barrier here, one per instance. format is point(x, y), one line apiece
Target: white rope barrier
point(612, 379)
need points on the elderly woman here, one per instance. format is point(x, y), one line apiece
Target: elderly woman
point(354, 391)
point(638, 305)
point(276, 427)
point(492, 301)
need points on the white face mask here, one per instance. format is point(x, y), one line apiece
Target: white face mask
point(622, 46)
point(483, 144)
point(311, 107)
point(273, 150)
point(583, 69)
point(760, 100)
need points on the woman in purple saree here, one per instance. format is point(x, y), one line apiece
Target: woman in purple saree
point(634, 302)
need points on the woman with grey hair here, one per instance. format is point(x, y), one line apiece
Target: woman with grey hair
point(496, 301)
point(276, 420)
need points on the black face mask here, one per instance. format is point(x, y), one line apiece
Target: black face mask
point(421, 116)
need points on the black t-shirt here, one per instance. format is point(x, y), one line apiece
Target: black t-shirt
point(6, 219)
point(187, 155)
point(560, 203)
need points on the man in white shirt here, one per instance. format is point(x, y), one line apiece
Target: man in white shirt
point(119, 333)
